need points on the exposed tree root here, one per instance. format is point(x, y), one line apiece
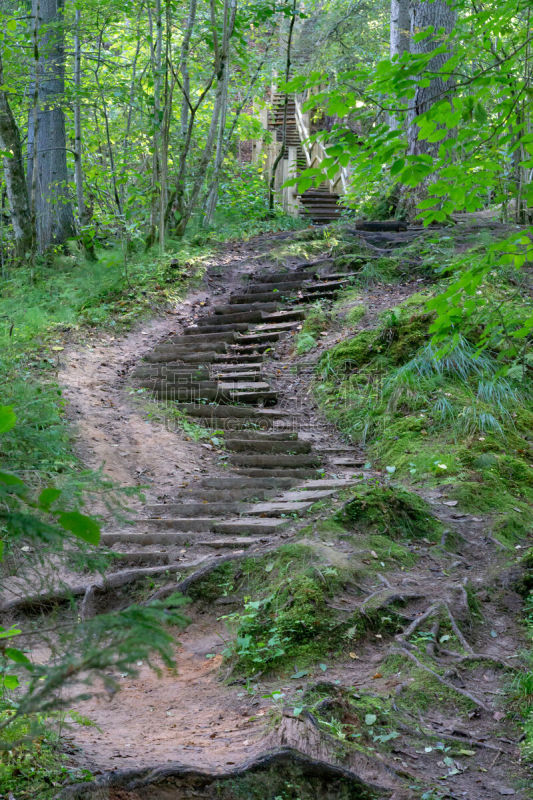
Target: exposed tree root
point(135, 781)
point(86, 590)
point(195, 577)
point(403, 650)
point(446, 737)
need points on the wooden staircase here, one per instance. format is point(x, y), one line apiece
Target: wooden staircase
point(321, 204)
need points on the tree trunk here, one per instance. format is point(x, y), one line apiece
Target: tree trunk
point(281, 153)
point(219, 157)
point(156, 51)
point(441, 16)
point(400, 40)
point(54, 217)
point(16, 187)
point(221, 61)
point(212, 198)
point(165, 130)
point(84, 215)
point(400, 27)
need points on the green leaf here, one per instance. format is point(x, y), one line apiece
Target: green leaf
point(48, 497)
point(370, 719)
point(11, 480)
point(10, 681)
point(81, 526)
point(301, 674)
point(16, 655)
point(397, 166)
point(7, 419)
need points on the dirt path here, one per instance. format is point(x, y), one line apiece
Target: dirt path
point(226, 358)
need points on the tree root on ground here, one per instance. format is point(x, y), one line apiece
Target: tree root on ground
point(105, 584)
point(403, 650)
point(135, 784)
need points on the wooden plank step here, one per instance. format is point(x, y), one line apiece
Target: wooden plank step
point(264, 446)
point(275, 509)
point(244, 308)
point(236, 543)
point(250, 525)
point(184, 510)
point(277, 460)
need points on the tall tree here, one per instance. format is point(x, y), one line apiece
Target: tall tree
point(400, 38)
point(441, 17)
point(17, 191)
point(53, 208)
point(400, 27)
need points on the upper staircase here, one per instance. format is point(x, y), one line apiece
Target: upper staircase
point(322, 204)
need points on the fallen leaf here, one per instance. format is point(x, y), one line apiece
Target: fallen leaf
point(376, 676)
point(354, 655)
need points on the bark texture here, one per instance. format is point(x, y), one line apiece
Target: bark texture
point(17, 191)
point(443, 18)
point(400, 25)
point(53, 208)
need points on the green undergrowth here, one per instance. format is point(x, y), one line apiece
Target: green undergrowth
point(64, 296)
point(39, 309)
point(288, 782)
point(459, 419)
point(284, 614)
point(316, 321)
point(420, 690)
point(520, 691)
point(173, 417)
point(390, 511)
point(32, 764)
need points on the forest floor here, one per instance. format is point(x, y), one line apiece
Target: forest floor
point(327, 656)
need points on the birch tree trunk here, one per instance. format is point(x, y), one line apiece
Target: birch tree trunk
point(54, 217)
point(15, 178)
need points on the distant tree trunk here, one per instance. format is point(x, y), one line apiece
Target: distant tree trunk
point(212, 198)
point(83, 212)
point(54, 217)
point(165, 129)
point(126, 141)
point(219, 157)
point(442, 17)
point(222, 51)
point(16, 187)
point(281, 153)
point(156, 50)
point(400, 26)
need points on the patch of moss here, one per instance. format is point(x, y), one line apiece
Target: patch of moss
point(391, 511)
point(31, 762)
point(452, 420)
point(421, 690)
point(289, 782)
point(524, 584)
